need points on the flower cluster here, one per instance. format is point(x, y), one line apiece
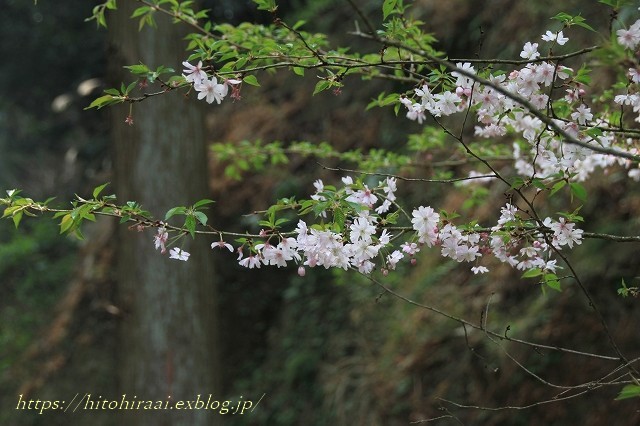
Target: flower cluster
point(540, 152)
point(208, 88)
point(366, 245)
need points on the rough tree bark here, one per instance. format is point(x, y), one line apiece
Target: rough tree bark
point(168, 345)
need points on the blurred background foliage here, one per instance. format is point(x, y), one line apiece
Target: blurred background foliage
point(328, 348)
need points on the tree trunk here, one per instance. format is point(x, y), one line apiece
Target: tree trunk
point(168, 349)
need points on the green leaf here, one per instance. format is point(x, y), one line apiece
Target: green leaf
point(517, 182)
point(585, 25)
point(140, 11)
point(66, 223)
point(552, 281)
point(583, 75)
point(174, 211)
point(11, 210)
point(387, 8)
point(269, 5)
point(281, 221)
point(202, 218)
point(623, 290)
point(562, 17)
point(531, 273)
point(190, 224)
point(298, 24)
point(202, 202)
point(557, 187)
point(320, 86)
point(252, 80)
point(17, 218)
point(104, 101)
point(98, 190)
point(339, 218)
point(629, 391)
point(578, 190)
point(140, 69)
point(130, 87)
point(538, 183)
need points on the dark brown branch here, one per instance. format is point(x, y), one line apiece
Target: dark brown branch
point(492, 333)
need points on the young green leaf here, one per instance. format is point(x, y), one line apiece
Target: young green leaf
point(387, 8)
point(531, 273)
point(557, 187)
point(251, 79)
point(320, 86)
point(629, 391)
point(98, 189)
point(202, 218)
point(190, 224)
point(552, 281)
point(66, 223)
point(174, 211)
point(17, 217)
point(578, 191)
point(202, 202)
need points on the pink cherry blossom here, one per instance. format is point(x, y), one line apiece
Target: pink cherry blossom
point(194, 73)
point(178, 254)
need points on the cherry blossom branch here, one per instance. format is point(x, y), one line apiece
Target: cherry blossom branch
point(403, 178)
point(523, 61)
point(517, 98)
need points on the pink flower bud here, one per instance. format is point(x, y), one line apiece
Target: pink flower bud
point(301, 271)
